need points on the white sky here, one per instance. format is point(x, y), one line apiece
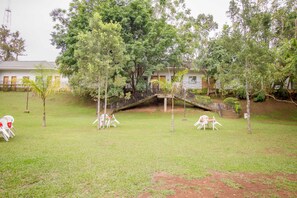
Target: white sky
point(31, 18)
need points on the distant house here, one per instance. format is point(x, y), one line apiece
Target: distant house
point(192, 80)
point(12, 73)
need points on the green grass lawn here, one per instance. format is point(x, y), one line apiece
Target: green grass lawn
point(71, 158)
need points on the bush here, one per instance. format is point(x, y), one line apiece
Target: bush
point(198, 91)
point(205, 100)
point(233, 103)
point(240, 93)
point(260, 97)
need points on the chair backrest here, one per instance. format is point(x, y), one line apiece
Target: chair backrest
point(9, 118)
point(203, 118)
point(4, 123)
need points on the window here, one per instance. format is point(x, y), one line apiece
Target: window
point(192, 79)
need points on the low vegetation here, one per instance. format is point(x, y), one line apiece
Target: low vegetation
point(70, 158)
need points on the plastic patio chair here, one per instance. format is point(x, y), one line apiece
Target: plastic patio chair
point(202, 122)
point(10, 121)
point(5, 131)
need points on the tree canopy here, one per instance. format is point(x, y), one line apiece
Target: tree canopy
point(255, 52)
point(11, 44)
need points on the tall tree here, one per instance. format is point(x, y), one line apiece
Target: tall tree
point(205, 25)
point(152, 42)
point(100, 55)
point(250, 55)
point(11, 45)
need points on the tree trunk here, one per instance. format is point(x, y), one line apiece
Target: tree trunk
point(172, 113)
point(105, 99)
point(98, 105)
point(208, 85)
point(248, 107)
point(43, 119)
point(133, 84)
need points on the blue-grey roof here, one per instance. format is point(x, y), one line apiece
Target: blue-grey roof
point(25, 65)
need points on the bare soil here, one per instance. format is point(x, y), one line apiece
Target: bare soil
point(219, 184)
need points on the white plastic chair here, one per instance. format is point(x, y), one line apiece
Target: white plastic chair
point(113, 121)
point(214, 122)
point(5, 131)
point(109, 121)
point(10, 121)
point(202, 122)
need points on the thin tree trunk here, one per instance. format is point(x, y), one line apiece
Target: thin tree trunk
point(172, 113)
point(248, 106)
point(208, 85)
point(98, 105)
point(105, 100)
point(43, 119)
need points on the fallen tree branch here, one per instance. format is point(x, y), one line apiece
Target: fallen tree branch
point(286, 101)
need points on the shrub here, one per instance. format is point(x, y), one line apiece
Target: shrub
point(233, 103)
point(260, 97)
point(240, 93)
point(198, 91)
point(205, 100)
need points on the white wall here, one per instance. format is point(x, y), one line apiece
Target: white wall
point(186, 79)
point(18, 73)
point(21, 73)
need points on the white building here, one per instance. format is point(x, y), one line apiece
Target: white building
point(192, 80)
point(12, 73)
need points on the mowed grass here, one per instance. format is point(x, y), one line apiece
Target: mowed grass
point(71, 158)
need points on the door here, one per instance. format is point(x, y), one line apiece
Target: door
point(13, 83)
point(5, 82)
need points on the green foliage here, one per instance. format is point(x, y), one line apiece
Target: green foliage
point(100, 55)
point(156, 34)
point(233, 103)
point(11, 45)
point(205, 100)
point(202, 91)
point(240, 93)
point(260, 97)
point(43, 86)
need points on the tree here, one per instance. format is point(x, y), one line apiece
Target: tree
point(204, 26)
point(171, 88)
point(43, 86)
point(249, 54)
point(100, 57)
point(153, 39)
point(11, 45)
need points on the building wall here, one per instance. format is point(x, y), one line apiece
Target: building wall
point(192, 80)
point(30, 73)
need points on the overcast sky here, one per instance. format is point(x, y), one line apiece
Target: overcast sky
point(31, 18)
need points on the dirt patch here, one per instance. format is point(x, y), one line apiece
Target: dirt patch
point(220, 184)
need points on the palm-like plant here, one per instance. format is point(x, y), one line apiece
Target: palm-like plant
point(171, 88)
point(43, 86)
